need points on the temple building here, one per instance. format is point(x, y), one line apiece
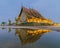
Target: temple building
point(31, 15)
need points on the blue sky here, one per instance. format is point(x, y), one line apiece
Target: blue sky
point(9, 9)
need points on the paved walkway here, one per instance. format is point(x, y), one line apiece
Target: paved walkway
point(34, 27)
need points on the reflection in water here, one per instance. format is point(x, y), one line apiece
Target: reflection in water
point(9, 29)
point(29, 38)
point(29, 35)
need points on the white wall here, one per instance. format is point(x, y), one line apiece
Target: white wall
point(23, 17)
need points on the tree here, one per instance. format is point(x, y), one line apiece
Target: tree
point(9, 22)
point(3, 23)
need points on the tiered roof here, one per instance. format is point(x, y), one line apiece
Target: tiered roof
point(31, 12)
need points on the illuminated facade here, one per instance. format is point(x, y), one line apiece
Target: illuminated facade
point(31, 15)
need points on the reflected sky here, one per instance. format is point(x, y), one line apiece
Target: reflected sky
point(29, 38)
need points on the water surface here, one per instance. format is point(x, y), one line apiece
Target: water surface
point(29, 38)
